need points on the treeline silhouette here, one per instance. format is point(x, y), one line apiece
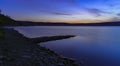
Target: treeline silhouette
point(29, 23)
point(6, 20)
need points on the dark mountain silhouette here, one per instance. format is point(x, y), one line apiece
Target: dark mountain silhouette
point(28, 23)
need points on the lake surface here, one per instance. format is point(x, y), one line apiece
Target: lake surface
point(92, 46)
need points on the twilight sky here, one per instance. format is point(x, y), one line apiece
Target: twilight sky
point(71, 11)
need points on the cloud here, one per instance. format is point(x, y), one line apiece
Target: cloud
point(94, 11)
point(60, 13)
point(118, 14)
point(56, 13)
point(115, 19)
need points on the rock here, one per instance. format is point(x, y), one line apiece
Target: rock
point(18, 50)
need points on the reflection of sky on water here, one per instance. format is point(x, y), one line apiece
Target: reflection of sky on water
point(95, 45)
point(53, 30)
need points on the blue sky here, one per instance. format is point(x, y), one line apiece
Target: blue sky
point(71, 11)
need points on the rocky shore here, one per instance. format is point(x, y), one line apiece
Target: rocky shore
point(17, 50)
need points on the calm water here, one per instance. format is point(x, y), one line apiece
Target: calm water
point(92, 46)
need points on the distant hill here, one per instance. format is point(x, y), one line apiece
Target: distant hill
point(100, 24)
point(28, 23)
point(6, 20)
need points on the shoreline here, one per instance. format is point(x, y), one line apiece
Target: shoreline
point(17, 49)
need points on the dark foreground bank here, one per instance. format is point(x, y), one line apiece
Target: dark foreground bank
point(17, 50)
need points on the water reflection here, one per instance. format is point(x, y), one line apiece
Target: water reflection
point(92, 46)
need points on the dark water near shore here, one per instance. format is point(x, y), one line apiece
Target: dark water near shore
point(92, 46)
